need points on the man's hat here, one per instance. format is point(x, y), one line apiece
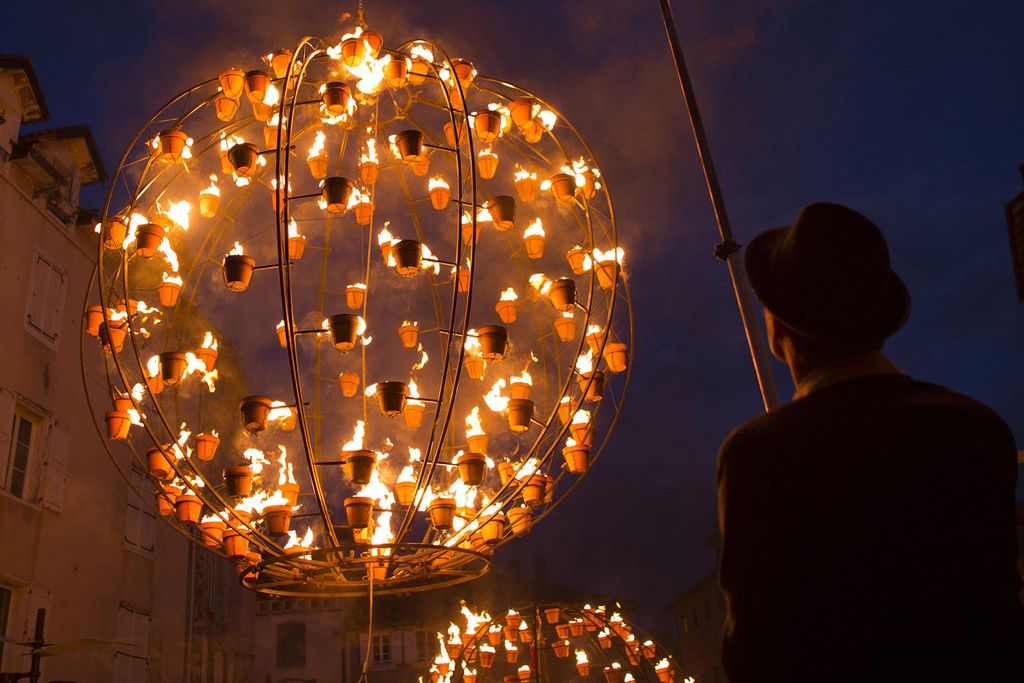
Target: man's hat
point(827, 276)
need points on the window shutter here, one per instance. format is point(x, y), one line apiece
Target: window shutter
point(145, 536)
point(35, 307)
point(409, 653)
point(55, 468)
point(6, 429)
point(36, 598)
point(56, 293)
point(141, 635)
point(363, 642)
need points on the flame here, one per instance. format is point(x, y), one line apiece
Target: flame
point(212, 190)
point(509, 295)
point(317, 148)
point(535, 229)
point(472, 343)
point(540, 283)
point(527, 469)
point(272, 96)
point(209, 342)
point(548, 119)
point(423, 52)
point(495, 401)
point(385, 237)
point(428, 260)
point(522, 174)
point(423, 358)
point(256, 459)
point(236, 250)
point(615, 255)
point(370, 155)
point(414, 393)
point(585, 362)
point(279, 411)
point(356, 443)
point(294, 542)
point(358, 197)
point(581, 657)
point(285, 475)
point(487, 152)
point(473, 426)
point(663, 665)
point(524, 378)
point(153, 366)
point(172, 279)
point(510, 646)
point(178, 213)
point(437, 182)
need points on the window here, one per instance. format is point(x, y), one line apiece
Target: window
point(291, 644)
point(131, 652)
point(44, 310)
point(426, 642)
point(139, 518)
point(5, 613)
point(381, 652)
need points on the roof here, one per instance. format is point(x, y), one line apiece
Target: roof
point(26, 84)
point(83, 145)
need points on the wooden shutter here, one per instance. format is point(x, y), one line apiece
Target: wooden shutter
point(39, 281)
point(6, 431)
point(409, 653)
point(36, 598)
point(56, 293)
point(55, 467)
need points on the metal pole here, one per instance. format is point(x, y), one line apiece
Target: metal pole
point(35, 672)
point(728, 250)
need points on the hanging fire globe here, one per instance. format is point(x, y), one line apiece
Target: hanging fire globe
point(360, 316)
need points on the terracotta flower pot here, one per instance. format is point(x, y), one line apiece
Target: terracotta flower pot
point(607, 272)
point(111, 336)
point(391, 397)
point(520, 414)
point(255, 410)
point(396, 73)
point(369, 171)
point(563, 294)
point(442, 513)
point(492, 530)
point(336, 193)
point(577, 458)
point(317, 166)
point(213, 533)
point(410, 146)
point(154, 384)
point(563, 187)
point(487, 125)
point(493, 342)
point(472, 468)
point(148, 238)
point(355, 296)
point(593, 383)
point(165, 497)
point(532, 131)
point(404, 492)
point(256, 84)
point(421, 167)
point(277, 519)
point(171, 145)
point(290, 492)
point(238, 479)
point(349, 383)
point(551, 615)
point(526, 188)
point(665, 675)
point(474, 366)
point(282, 337)
point(363, 213)
point(561, 649)
point(507, 471)
point(478, 443)
point(159, 459)
point(206, 446)
point(238, 270)
point(534, 245)
point(419, 70)
point(487, 164)
point(225, 107)
point(518, 390)
point(565, 327)
point(235, 544)
point(521, 111)
point(358, 511)
point(463, 71)
point(344, 329)
point(506, 311)
point(533, 490)
point(296, 247)
point(118, 424)
point(279, 61)
point(463, 277)
point(440, 196)
point(93, 320)
point(583, 668)
point(408, 255)
point(414, 412)
point(511, 656)
point(335, 97)
point(188, 508)
point(168, 293)
point(244, 159)
point(114, 233)
point(359, 465)
point(457, 99)
point(616, 356)
point(453, 133)
point(209, 357)
point(613, 675)
point(577, 257)
point(232, 81)
point(525, 676)
point(503, 211)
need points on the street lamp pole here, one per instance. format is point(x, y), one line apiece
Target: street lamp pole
point(727, 250)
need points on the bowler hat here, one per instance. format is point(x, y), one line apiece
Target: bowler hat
point(827, 276)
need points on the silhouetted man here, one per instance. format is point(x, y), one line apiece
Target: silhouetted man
point(868, 527)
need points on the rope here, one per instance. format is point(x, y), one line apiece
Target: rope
point(369, 628)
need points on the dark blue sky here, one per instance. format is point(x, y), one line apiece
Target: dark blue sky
point(912, 112)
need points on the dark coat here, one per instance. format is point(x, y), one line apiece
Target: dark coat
point(869, 533)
